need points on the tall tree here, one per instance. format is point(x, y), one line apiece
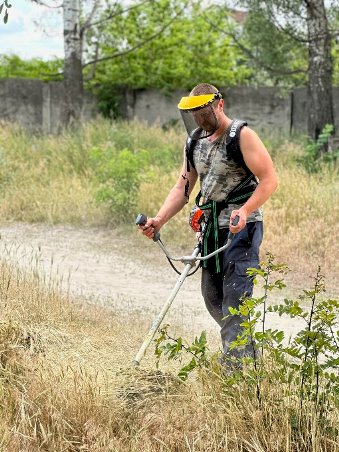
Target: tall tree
point(320, 101)
point(73, 79)
point(305, 24)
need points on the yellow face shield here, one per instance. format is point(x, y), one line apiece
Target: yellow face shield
point(198, 115)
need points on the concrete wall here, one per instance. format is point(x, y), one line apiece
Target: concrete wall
point(299, 109)
point(38, 106)
point(22, 102)
point(263, 107)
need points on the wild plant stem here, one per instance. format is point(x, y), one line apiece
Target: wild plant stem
point(267, 277)
point(309, 326)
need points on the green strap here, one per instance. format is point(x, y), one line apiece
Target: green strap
point(213, 225)
point(216, 234)
point(245, 195)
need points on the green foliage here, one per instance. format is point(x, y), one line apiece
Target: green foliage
point(277, 58)
point(306, 366)
point(167, 45)
point(314, 151)
point(120, 177)
point(121, 166)
point(12, 66)
point(333, 17)
point(175, 348)
point(275, 36)
point(310, 359)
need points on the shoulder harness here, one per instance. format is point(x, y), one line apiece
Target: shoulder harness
point(238, 195)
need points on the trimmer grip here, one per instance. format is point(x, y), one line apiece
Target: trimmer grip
point(141, 220)
point(236, 220)
point(234, 223)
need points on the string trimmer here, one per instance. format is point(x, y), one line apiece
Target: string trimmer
point(189, 262)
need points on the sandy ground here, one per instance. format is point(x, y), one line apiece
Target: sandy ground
point(127, 274)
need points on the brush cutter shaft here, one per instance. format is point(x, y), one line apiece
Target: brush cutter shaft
point(157, 321)
point(189, 262)
point(219, 250)
point(194, 257)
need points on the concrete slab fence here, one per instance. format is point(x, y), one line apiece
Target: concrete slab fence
point(37, 106)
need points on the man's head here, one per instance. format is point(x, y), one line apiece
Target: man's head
point(201, 111)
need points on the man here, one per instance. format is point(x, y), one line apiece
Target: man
point(236, 177)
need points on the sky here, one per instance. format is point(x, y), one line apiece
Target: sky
point(32, 31)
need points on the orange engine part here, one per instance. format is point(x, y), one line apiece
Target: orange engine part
point(196, 219)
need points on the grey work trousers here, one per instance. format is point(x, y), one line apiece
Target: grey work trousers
point(224, 290)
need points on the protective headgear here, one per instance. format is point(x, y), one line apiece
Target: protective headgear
point(198, 115)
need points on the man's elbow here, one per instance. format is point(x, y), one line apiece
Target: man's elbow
point(275, 184)
point(270, 182)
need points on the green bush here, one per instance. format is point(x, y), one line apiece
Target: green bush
point(315, 153)
point(120, 173)
point(304, 369)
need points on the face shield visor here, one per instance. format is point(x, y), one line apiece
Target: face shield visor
point(199, 116)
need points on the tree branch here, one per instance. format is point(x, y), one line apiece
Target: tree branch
point(137, 46)
point(87, 25)
point(40, 2)
point(250, 54)
point(115, 14)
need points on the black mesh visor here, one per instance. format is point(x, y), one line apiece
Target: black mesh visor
point(200, 122)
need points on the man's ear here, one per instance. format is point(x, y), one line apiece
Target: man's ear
point(221, 105)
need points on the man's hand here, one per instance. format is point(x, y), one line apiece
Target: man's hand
point(151, 226)
point(242, 214)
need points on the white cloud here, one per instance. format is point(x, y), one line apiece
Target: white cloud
point(32, 31)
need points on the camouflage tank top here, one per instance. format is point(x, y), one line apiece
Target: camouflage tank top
point(219, 173)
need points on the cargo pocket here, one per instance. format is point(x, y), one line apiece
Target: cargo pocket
point(244, 282)
point(240, 267)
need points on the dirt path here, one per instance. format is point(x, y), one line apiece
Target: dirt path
point(129, 275)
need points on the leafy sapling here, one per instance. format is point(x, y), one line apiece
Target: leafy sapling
point(174, 348)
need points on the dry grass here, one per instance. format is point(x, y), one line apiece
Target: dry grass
point(65, 377)
point(301, 218)
point(46, 179)
point(66, 384)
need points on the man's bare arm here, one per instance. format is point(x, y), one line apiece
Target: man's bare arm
point(174, 202)
point(260, 163)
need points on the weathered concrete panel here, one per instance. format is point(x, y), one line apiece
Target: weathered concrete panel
point(22, 102)
point(156, 107)
point(299, 110)
point(38, 106)
point(264, 108)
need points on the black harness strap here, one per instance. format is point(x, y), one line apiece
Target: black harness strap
point(189, 149)
point(238, 195)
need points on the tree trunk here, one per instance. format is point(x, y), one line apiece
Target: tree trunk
point(320, 100)
point(73, 79)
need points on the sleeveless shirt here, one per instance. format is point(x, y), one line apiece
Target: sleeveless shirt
point(219, 173)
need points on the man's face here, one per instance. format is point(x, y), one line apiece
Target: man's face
point(206, 118)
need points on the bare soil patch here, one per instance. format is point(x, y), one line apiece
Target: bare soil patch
point(128, 274)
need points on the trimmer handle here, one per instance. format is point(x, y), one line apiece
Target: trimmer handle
point(141, 220)
point(234, 223)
